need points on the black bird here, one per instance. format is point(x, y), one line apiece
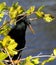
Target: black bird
point(18, 33)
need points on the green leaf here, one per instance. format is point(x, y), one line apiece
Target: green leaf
point(4, 30)
point(13, 14)
point(12, 52)
point(15, 10)
point(20, 10)
point(54, 51)
point(48, 18)
point(44, 62)
point(12, 45)
point(35, 61)
point(28, 63)
point(39, 14)
point(51, 59)
point(30, 10)
point(41, 8)
point(1, 15)
point(6, 41)
point(15, 5)
point(1, 63)
point(9, 43)
point(2, 6)
point(28, 58)
point(3, 56)
point(48, 60)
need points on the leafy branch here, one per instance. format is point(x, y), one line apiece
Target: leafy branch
point(8, 45)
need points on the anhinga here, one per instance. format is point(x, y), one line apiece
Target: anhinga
point(18, 33)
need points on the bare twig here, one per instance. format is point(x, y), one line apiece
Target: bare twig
point(31, 19)
point(21, 49)
point(9, 56)
point(39, 56)
point(19, 19)
point(4, 24)
point(10, 20)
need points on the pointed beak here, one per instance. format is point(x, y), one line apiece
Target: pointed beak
point(31, 29)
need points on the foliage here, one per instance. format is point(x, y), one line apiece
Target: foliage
point(46, 17)
point(30, 10)
point(30, 61)
point(52, 58)
point(1, 63)
point(3, 56)
point(2, 7)
point(8, 45)
point(4, 30)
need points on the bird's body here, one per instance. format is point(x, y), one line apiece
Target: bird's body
point(18, 33)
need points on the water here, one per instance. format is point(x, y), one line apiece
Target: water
point(44, 39)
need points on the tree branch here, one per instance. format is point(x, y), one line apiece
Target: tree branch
point(39, 56)
point(9, 56)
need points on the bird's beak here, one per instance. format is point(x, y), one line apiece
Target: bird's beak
point(31, 29)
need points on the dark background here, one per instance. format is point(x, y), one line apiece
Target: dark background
point(44, 39)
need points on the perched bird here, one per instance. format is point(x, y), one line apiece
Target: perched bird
point(18, 33)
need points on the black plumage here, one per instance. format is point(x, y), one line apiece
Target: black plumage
point(18, 33)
